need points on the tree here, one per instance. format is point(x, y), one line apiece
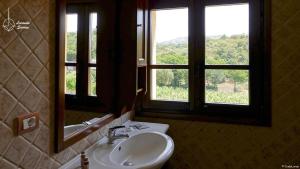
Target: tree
point(164, 77)
point(237, 77)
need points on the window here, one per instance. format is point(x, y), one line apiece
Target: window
point(209, 58)
point(227, 54)
point(169, 59)
point(81, 55)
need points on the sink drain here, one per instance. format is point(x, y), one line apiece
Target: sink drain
point(128, 163)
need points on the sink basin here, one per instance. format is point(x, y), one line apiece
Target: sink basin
point(143, 151)
point(149, 148)
point(72, 128)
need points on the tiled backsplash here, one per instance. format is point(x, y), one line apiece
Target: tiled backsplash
point(26, 79)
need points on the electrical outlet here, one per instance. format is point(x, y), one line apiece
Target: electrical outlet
point(27, 122)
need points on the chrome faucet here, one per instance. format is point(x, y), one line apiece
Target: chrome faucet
point(112, 134)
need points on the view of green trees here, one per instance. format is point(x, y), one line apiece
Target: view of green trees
point(222, 86)
point(71, 54)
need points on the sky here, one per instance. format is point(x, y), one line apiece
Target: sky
point(219, 20)
point(71, 22)
point(172, 24)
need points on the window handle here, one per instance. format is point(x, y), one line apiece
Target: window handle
point(139, 25)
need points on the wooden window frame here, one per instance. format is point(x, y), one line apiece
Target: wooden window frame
point(81, 100)
point(259, 110)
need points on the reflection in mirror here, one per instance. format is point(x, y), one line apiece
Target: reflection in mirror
point(83, 103)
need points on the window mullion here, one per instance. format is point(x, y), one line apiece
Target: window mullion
point(85, 57)
point(80, 43)
point(197, 39)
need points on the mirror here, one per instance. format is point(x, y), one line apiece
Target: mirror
point(95, 67)
point(85, 76)
point(82, 99)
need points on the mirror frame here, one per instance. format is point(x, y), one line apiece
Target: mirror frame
point(61, 142)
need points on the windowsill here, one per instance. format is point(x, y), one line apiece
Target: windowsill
point(214, 118)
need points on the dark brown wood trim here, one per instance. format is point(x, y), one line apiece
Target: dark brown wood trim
point(232, 67)
point(164, 4)
point(81, 1)
point(224, 2)
point(213, 118)
point(59, 75)
point(70, 64)
point(168, 66)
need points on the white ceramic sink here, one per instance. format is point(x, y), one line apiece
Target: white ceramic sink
point(145, 150)
point(149, 150)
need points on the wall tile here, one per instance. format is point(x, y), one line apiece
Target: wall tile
point(65, 155)
point(4, 164)
point(6, 67)
point(31, 158)
point(55, 165)
point(6, 139)
point(42, 140)
point(32, 36)
point(6, 37)
point(81, 146)
point(18, 51)
point(17, 84)
point(17, 150)
point(43, 108)
point(41, 22)
point(33, 7)
point(42, 81)
point(31, 97)
point(7, 103)
point(42, 52)
point(45, 162)
point(31, 67)
point(19, 14)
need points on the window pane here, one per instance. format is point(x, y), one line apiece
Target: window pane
point(92, 81)
point(227, 35)
point(93, 38)
point(169, 84)
point(70, 82)
point(227, 87)
point(71, 37)
point(169, 36)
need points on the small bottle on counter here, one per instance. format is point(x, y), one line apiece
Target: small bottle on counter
point(82, 158)
point(85, 163)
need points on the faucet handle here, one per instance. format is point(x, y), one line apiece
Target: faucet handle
point(116, 127)
point(111, 131)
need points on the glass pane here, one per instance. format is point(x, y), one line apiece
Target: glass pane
point(92, 81)
point(169, 84)
point(227, 87)
point(227, 35)
point(71, 37)
point(70, 82)
point(93, 38)
point(170, 36)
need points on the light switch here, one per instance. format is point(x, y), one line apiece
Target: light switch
point(27, 122)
